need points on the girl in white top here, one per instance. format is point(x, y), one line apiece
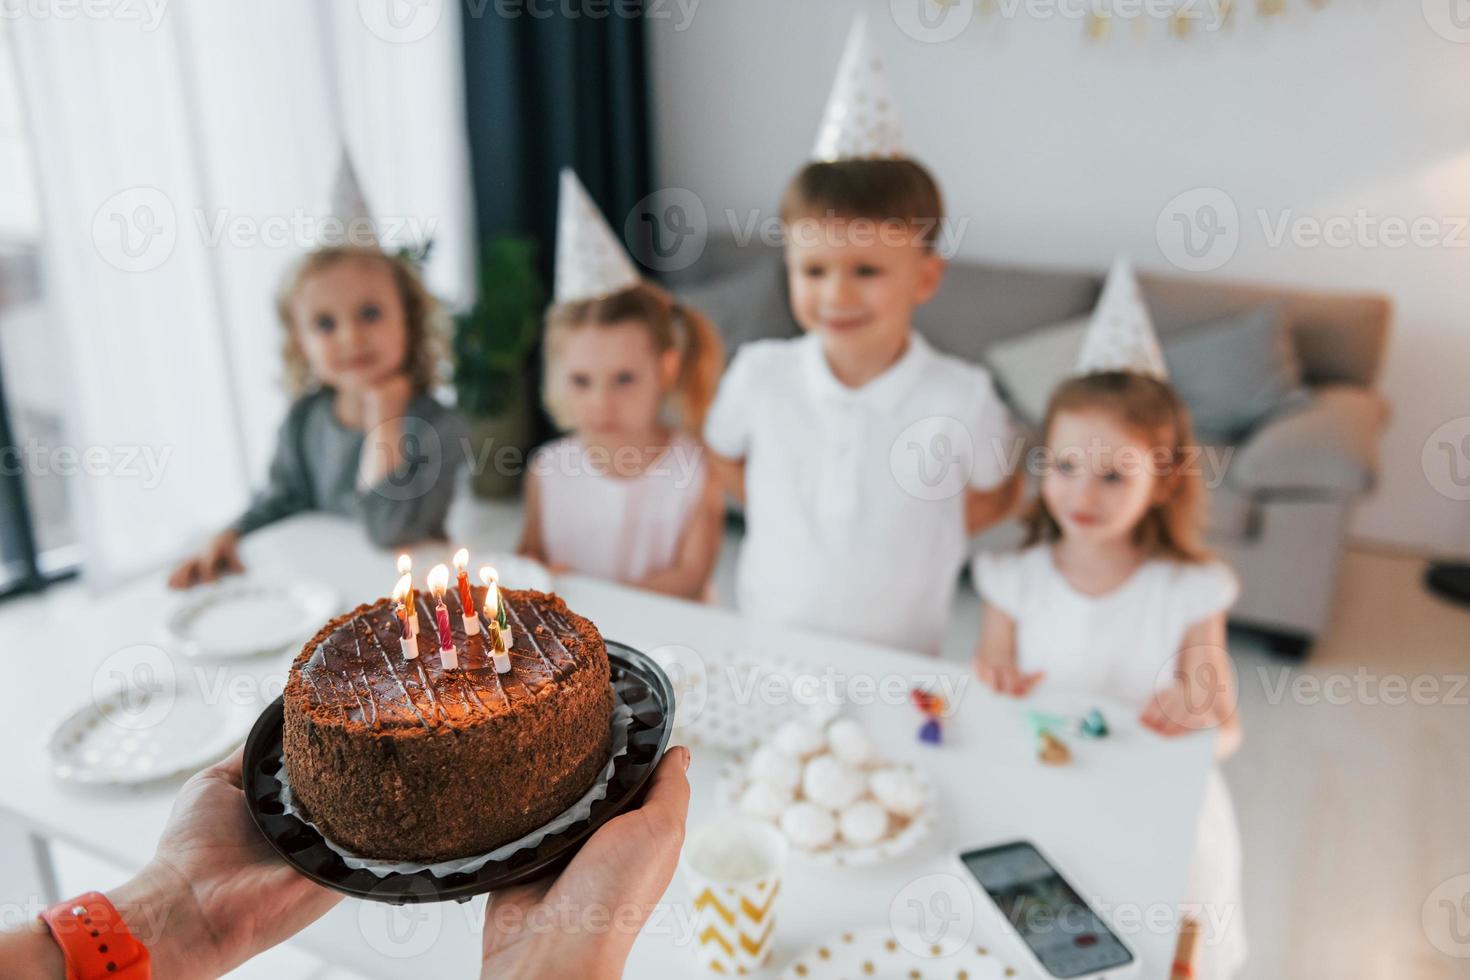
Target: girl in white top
point(1113, 594)
point(626, 495)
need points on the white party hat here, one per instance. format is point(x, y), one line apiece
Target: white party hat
point(1121, 335)
point(349, 206)
point(590, 261)
point(860, 121)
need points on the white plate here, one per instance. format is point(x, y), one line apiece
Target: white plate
point(709, 708)
point(882, 954)
point(244, 618)
point(135, 736)
point(732, 783)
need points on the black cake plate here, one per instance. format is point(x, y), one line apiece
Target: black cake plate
point(640, 684)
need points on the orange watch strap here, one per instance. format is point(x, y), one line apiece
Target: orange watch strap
point(94, 940)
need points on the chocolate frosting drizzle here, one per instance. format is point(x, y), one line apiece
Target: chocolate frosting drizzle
point(359, 670)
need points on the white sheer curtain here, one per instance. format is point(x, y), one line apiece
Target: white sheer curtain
point(180, 156)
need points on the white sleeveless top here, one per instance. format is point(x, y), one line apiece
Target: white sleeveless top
point(616, 527)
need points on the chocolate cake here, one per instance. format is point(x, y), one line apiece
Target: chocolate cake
point(402, 760)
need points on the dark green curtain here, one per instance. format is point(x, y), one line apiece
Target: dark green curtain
point(547, 91)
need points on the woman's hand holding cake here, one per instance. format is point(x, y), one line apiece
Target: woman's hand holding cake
point(214, 895)
point(607, 892)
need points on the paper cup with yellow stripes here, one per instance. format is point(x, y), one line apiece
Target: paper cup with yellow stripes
point(733, 869)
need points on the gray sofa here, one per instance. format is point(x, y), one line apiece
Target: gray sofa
point(1279, 513)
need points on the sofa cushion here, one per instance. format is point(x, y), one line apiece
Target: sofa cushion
point(979, 305)
point(1235, 371)
point(1339, 337)
point(1232, 514)
point(746, 304)
point(1029, 367)
point(1328, 445)
point(1232, 372)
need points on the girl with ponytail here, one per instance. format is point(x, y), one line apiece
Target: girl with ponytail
point(626, 494)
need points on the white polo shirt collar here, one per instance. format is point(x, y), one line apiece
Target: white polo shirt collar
point(884, 392)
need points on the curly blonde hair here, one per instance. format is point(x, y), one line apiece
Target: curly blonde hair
point(1172, 528)
point(422, 314)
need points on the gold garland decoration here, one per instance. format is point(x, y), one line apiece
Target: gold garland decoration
point(1098, 23)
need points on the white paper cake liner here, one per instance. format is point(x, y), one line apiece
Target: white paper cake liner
point(579, 810)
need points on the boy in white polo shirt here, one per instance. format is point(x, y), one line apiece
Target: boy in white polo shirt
point(864, 457)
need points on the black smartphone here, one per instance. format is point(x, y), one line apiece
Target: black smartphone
point(1063, 934)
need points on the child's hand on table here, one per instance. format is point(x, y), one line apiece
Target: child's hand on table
point(219, 558)
point(1005, 677)
point(1173, 712)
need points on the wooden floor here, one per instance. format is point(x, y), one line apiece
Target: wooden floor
point(1354, 799)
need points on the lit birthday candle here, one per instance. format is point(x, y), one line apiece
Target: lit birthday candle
point(405, 567)
point(438, 582)
point(495, 611)
point(466, 597)
point(406, 641)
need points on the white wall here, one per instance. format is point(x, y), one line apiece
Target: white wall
point(1064, 151)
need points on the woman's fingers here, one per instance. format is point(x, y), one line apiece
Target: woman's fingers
point(231, 767)
point(667, 805)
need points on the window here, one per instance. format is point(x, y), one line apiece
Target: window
point(38, 536)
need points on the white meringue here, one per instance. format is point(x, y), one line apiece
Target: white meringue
point(823, 710)
point(898, 791)
point(764, 800)
point(799, 739)
point(850, 743)
point(865, 822)
point(831, 782)
point(808, 826)
point(770, 765)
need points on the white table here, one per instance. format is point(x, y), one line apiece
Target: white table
point(1121, 818)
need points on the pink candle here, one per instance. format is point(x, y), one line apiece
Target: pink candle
point(438, 582)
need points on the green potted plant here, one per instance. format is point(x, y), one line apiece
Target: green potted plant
point(492, 346)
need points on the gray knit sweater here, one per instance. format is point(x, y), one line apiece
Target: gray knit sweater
point(316, 462)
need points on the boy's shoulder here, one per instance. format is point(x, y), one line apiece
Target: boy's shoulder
point(768, 362)
point(949, 369)
point(771, 350)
